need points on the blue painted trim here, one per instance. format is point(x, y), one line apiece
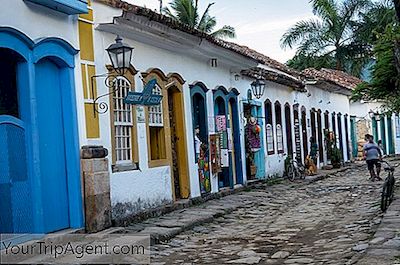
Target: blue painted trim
point(221, 89)
point(55, 48)
point(71, 135)
point(4, 119)
point(62, 53)
point(69, 7)
point(234, 91)
point(17, 41)
point(197, 85)
point(236, 142)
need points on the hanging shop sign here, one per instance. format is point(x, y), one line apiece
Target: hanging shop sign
point(204, 169)
point(220, 123)
point(215, 152)
point(146, 97)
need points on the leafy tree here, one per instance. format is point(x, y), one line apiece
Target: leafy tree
point(187, 12)
point(329, 35)
point(385, 83)
point(301, 62)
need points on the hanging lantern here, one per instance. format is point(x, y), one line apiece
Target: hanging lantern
point(258, 88)
point(120, 55)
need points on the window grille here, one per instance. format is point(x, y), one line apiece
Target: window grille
point(123, 122)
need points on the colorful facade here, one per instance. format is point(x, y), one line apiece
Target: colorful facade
point(209, 133)
point(40, 184)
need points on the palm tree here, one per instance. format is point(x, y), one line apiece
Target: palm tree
point(187, 12)
point(330, 34)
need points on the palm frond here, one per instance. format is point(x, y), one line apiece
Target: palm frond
point(205, 16)
point(224, 32)
point(301, 30)
point(327, 10)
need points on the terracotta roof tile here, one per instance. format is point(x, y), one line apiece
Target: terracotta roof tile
point(334, 76)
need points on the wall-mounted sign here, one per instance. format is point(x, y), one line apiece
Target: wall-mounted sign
point(220, 123)
point(215, 152)
point(146, 97)
point(140, 114)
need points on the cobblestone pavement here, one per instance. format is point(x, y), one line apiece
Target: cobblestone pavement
point(327, 222)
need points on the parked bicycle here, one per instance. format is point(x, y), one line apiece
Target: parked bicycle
point(295, 170)
point(388, 187)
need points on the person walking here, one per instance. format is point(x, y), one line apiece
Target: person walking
point(373, 156)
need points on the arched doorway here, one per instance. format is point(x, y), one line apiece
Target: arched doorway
point(255, 161)
point(297, 131)
point(40, 184)
point(178, 134)
point(234, 146)
point(288, 124)
point(225, 178)
point(340, 132)
point(320, 137)
point(198, 93)
point(334, 127)
point(347, 135)
point(304, 131)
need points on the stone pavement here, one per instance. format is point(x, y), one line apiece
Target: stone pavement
point(384, 248)
point(330, 221)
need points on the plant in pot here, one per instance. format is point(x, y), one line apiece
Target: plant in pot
point(336, 157)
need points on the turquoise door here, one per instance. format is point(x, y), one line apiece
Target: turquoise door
point(259, 156)
point(390, 135)
point(383, 134)
point(353, 135)
point(52, 146)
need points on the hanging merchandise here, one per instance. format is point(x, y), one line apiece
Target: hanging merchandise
point(253, 130)
point(204, 169)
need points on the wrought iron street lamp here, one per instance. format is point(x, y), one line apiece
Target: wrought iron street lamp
point(258, 88)
point(120, 56)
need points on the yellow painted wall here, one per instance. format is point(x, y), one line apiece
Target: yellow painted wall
point(85, 26)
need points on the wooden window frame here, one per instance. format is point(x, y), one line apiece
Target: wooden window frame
point(118, 166)
point(269, 122)
point(161, 82)
point(278, 121)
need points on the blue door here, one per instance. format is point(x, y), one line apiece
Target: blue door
point(52, 146)
point(15, 192)
point(259, 156)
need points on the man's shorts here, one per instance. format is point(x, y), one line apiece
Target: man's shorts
point(373, 162)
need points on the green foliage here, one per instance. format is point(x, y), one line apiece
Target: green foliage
point(287, 163)
point(301, 62)
point(336, 157)
point(187, 12)
point(340, 38)
point(385, 83)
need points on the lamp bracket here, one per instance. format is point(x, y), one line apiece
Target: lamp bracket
point(109, 82)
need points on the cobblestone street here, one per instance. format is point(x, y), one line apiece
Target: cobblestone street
point(326, 222)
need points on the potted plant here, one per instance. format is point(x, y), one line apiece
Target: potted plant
point(336, 157)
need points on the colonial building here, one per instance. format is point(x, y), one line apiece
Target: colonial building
point(209, 132)
point(40, 184)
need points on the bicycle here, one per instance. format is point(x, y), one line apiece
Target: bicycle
point(388, 187)
point(295, 170)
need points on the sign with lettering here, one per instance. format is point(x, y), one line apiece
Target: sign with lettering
point(146, 97)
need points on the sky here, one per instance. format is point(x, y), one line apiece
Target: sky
point(259, 24)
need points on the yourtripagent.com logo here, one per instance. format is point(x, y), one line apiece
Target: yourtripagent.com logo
point(74, 249)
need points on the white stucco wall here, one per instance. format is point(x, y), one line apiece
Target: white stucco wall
point(38, 21)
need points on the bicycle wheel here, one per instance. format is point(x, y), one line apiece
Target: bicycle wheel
point(391, 190)
point(385, 197)
point(291, 175)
